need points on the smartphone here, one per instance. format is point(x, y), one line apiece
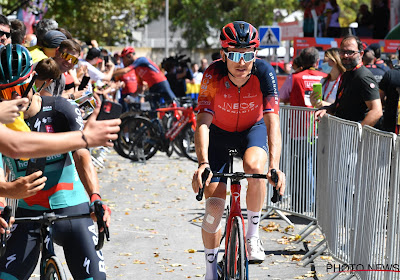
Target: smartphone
point(109, 110)
point(35, 164)
point(106, 59)
point(317, 87)
point(84, 82)
point(87, 108)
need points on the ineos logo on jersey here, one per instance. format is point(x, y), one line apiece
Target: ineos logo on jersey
point(205, 81)
point(235, 108)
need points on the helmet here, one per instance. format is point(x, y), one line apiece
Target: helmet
point(239, 34)
point(15, 65)
point(127, 50)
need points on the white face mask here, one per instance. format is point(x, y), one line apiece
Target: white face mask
point(326, 68)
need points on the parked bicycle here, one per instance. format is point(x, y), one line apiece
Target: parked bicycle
point(234, 264)
point(50, 266)
point(173, 129)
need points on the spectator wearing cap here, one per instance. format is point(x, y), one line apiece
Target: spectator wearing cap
point(95, 74)
point(5, 31)
point(51, 41)
point(376, 48)
point(146, 71)
point(129, 79)
point(368, 61)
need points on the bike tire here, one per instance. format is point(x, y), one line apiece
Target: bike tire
point(54, 269)
point(137, 134)
point(186, 143)
point(236, 260)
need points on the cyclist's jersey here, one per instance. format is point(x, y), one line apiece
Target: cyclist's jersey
point(63, 187)
point(148, 71)
point(237, 109)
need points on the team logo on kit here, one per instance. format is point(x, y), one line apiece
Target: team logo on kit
point(227, 85)
point(49, 128)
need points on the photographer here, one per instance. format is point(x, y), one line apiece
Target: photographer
point(178, 70)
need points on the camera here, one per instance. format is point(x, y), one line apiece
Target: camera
point(178, 61)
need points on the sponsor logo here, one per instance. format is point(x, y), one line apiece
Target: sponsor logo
point(236, 195)
point(236, 108)
point(249, 96)
point(227, 85)
point(227, 96)
point(47, 108)
point(49, 128)
point(204, 103)
point(372, 85)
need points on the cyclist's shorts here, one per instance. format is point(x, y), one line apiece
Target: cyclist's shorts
point(221, 141)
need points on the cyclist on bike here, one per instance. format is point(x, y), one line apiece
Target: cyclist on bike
point(238, 108)
point(71, 176)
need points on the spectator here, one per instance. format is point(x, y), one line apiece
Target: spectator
point(377, 53)
point(358, 96)
point(368, 61)
point(5, 31)
point(30, 40)
point(308, 21)
point(203, 65)
point(18, 30)
point(177, 73)
point(287, 67)
point(42, 27)
point(330, 84)
point(147, 71)
point(365, 21)
point(298, 93)
point(47, 71)
point(332, 13)
point(92, 58)
point(215, 56)
point(388, 88)
point(51, 41)
point(287, 85)
point(195, 85)
point(381, 15)
point(129, 79)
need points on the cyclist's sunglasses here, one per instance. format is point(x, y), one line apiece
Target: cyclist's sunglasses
point(236, 56)
point(68, 57)
point(21, 90)
point(2, 33)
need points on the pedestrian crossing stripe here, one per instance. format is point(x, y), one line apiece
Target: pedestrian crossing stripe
point(269, 36)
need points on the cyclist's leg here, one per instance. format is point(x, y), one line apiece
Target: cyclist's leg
point(23, 249)
point(78, 239)
point(165, 89)
point(254, 161)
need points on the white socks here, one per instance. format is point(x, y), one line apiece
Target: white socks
point(211, 263)
point(253, 221)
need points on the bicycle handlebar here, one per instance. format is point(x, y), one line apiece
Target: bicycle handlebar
point(204, 177)
point(276, 197)
point(99, 212)
point(236, 176)
point(6, 215)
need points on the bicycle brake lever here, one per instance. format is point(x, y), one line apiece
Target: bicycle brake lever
point(99, 212)
point(204, 177)
point(6, 215)
point(276, 197)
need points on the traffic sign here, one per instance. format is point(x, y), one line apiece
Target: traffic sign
point(270, 36)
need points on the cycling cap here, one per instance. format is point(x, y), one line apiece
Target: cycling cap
point(15, 65)
point(127, 50)
point(239, 34)
point(53, 38)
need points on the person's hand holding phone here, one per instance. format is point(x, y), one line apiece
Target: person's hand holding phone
point(10, 109)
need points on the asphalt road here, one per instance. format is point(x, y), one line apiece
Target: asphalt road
point(156, 220)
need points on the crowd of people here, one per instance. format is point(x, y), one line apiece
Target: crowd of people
point(372, 24)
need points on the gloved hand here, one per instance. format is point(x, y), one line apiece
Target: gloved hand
point(107, 211)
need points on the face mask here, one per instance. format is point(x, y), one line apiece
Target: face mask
point(326, 68)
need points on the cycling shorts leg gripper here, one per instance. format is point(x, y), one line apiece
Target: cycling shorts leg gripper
point(212, 218)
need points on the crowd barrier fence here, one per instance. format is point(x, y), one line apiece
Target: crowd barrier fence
point(344, 179)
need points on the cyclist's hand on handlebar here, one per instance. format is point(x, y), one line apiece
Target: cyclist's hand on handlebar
point(107, 211)
point(196, 181)
point(281, 185)
point(26, 186)
point(3, 222)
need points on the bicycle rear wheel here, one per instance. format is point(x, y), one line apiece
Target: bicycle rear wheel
point(236, 260)
point(186, 139)
point(137, 139)
point(54, 270)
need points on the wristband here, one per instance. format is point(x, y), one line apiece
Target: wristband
point(94, 197)
point(202, 163)
point(84, 139)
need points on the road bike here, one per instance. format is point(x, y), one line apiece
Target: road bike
point(173, 129)
point(50, 265)
point(234, 264)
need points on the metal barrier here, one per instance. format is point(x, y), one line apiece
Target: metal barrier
point(298, 161)
point(337, 159)
point(372, 202)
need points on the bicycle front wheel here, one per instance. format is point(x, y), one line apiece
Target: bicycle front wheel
point(54, 270)
point(137, 139)
point(186, 139)
point(236, 260)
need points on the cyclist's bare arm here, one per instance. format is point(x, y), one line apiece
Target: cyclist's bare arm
point(18, 144)
point(274, 146)
point(88, 175)
point(201, 140)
